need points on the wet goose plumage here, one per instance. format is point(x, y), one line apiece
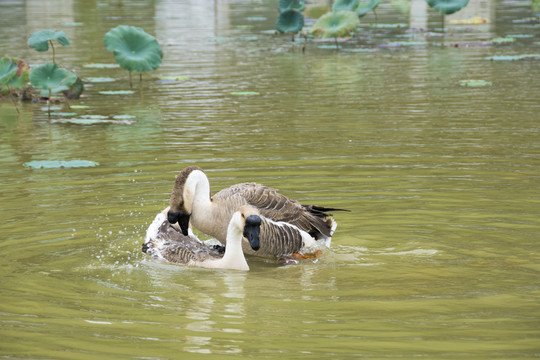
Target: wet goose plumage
point(166, 241)
point(287, 226)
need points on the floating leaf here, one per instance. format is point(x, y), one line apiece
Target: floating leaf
point(512, 57)
point(474, 83)
point(244, 93)
point(503, 40)
point(99, 79)
point(336, 24)
point(8, 70)
point(475, 20)
point(79, 106)
point(101, 66)
point(291, 21)
point(117, 92)
point(56, 164)
point(173, 78)
point(256, 18)
point(343, 5)
point(133, 48)
point(84, 121)
point(40, 39)
point(447, 7)
point(123, 117)
point(284, 5)
point(366, 6)
point(45, 108)
point(64, 113)
point(49, 77)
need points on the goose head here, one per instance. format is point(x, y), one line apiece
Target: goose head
point(183, 195)
point(249, 222)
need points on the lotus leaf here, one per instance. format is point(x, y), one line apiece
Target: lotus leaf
point(474, 83)
point(51, 79)
point(244, 93)
point(335, 24)
point(79, 121)
point(291, 21)
point(133, 48)
point(284, 5)
point(342, 5)
point(101, 66)
point(99, 79)
point(8, 70)
point(40, 40)
point(366, 6)
point(447, 7)
point(117, 92)
point(56, 164)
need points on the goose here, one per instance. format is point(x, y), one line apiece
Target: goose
point(166, 241)
point(287, 228)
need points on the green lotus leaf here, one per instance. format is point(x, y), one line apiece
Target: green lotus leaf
point(343, 5)
point(8, 70)
point(50, 77)
point(40, 39)
point(284, 5)
point(336, 24)
point(447, 7)
point(291, 21)
point(56, 164)
point(133, 48)
point(366, 6)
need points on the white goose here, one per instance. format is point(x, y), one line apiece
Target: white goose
point(166, 241)
point(288, 227)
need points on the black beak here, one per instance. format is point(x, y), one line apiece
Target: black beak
point(182, 218)
point(251, 231)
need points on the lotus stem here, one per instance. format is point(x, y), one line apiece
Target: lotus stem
point(13, 102)
point(140, 78)
point(292, 38)
point(130, 82)
point(52, 47)
point(376, 20)
point(49, 103)
point(337, 46)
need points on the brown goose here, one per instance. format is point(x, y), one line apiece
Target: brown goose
point(166, 241)
point(287, 227)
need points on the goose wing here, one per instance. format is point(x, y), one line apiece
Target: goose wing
point(170, 244)
point(277, 207)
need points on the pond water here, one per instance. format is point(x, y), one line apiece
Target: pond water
point(438, 258)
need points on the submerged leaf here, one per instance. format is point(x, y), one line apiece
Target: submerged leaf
point(50, 77)
point(56, 164)
point(40, 39)
point(336, 24)
point(133, 48)
point(291, 21)
point(447, 7)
